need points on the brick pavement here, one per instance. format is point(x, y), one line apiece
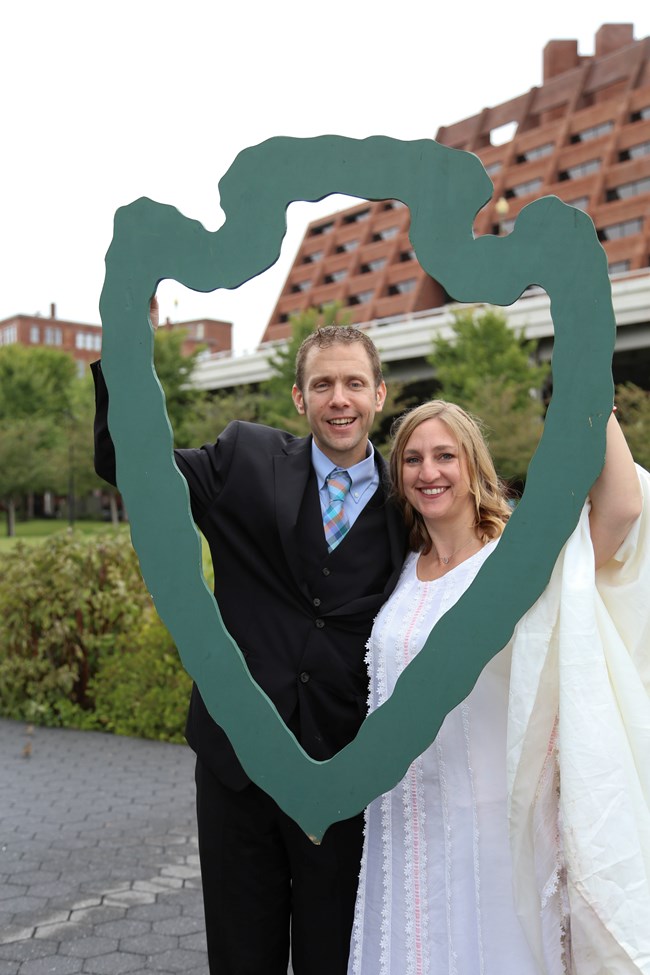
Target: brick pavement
point(99, 869)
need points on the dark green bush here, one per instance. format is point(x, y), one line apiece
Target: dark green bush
point(142, 689)
point(80, 642)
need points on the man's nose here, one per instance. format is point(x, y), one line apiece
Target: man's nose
point(339, 394)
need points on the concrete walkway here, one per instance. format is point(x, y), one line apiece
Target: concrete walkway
point(99, 871)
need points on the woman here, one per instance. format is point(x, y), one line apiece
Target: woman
point(436, 886)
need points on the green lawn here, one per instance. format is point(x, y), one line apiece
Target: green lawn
point(35, 532)
point(38, 530)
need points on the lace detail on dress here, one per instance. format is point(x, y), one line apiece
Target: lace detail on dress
point(415, 871)
point(446, 825)
point(465, 712)
point(356, 946)
point(387, 884)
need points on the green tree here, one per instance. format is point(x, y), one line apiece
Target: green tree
point(34, 382)
point(212, 413)
point(491, 372)
point(35, 398)
point(71, 457)
point(633, 405)
point(174, 370)
point(26, 446)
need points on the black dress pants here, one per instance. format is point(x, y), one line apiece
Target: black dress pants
point(263, 879)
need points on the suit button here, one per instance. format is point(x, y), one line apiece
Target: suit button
point(326, 571)
point(304, 677)
point(316, 601)
point(320, 624)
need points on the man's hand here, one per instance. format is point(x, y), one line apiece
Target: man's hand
point(154, 312)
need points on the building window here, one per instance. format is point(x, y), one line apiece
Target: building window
point(9, 335)
point(97, 343)
point(503, 228)
point(580, 202)
point(34, 334)
point(334, 276)
point(300, 286)
point(375, 265)
point(523, 189)
point(634, 152)
point(79, 340)
point(538, 152)
point(641, 114)
point(385, 234)
point(52, 336)
point(346, 246)
point(361, 298)
point(618, 267)
point(401, 287)
point(493, 168)
point(408, 255)
point(594, 132)
point(580, 170)
point(626, 190)
point(312, 258)
point(322, 228)
point(394, 205)
point(626, 228)
point(356, 217)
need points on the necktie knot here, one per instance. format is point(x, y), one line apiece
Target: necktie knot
point(335, 522)
point(338, 484)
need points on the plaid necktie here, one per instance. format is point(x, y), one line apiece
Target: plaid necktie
point(335, 522)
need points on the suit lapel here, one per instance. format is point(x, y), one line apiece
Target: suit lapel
point(291, 470)
point(395, 526)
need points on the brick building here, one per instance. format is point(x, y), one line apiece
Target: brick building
point(84, 341)
point(583, 135)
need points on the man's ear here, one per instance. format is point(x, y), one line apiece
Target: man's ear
point(380, 396)
point(299, 400)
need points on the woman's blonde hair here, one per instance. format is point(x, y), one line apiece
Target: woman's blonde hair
point(487, 490)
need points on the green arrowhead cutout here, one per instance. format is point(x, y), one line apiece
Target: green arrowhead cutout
point(552, 245)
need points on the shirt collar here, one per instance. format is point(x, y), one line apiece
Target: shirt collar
point(361, 474)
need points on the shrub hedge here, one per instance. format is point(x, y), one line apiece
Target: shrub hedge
point(81, 644)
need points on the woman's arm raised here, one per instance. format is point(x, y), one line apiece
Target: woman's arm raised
point(615, 497)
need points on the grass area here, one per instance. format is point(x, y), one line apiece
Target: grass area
point(38, 530)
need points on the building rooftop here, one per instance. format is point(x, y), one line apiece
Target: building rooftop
point(582, 135)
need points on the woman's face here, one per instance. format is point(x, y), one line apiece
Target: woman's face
point(435, 476)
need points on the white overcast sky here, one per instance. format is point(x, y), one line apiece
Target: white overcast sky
point(106, 102)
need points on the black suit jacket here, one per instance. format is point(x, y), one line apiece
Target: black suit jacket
point(300, 616)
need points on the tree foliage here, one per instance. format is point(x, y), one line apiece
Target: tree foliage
point(491, 372)
point(174, 369)
point(35, 399)
point(633, 404)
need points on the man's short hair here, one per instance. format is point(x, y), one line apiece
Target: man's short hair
point(328, 335)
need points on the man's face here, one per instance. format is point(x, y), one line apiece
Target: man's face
point(340, 400)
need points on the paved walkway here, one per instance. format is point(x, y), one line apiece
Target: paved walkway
point(99, 871)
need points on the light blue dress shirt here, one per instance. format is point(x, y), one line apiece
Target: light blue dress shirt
point(364, 477)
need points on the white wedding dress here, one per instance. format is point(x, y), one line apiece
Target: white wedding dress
point(568, 700)
point(435, 893)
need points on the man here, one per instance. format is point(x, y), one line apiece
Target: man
point(306, 548)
